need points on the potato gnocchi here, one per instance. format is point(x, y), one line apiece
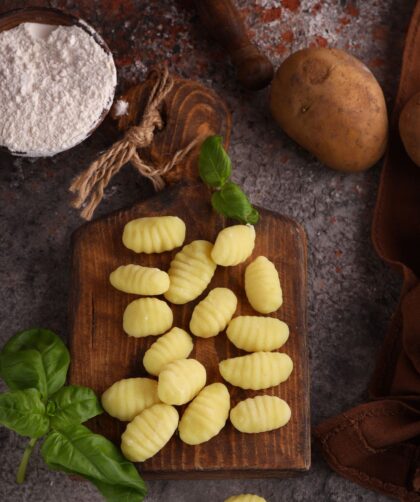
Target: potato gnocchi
point(147, 316)
point(256, 371)
point(149, 432)
point(245, 497)
point(206, 415)
point(212, 314)
point(262, 286)
point(256, 333)
point(233, 245)
point(127, 398)
point(154, 234)
point(180, 381)
point(140, 280)
point(260, 414)
point(190, 272)
point(173, 345)
point(148, 405)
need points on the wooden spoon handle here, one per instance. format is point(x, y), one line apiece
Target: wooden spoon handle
point(221, 18)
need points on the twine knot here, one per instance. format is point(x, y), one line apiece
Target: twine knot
point(142, 135)
point(90, 185)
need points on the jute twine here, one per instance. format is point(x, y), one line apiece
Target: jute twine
point(90, 185)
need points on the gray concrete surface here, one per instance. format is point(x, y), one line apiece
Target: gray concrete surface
point(351, 293)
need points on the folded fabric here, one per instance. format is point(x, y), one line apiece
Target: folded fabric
point(377, 444)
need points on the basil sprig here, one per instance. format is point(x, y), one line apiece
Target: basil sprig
point(34, 365)
point(215, 169)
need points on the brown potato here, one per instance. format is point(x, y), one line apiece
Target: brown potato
point(331, 104)
point(410, 127)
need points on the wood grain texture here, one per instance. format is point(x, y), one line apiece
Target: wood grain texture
point(224, 23)
point(102, 353)
point(189, 111)
point(43, 15)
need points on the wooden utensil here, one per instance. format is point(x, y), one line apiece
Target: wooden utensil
point(43, 15)
point(222, 20)
point(189, 111)
point(102, 353)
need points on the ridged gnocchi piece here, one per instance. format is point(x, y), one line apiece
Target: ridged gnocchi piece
point(206, 415)
point(173, 345)
point(245, 497)
point(154, 234)
point(140, 280)
point(149, 432)
point(256, 371)
point(190, 272)
point(262, 286)
point(212, 314)
point(127, 398)
point(147, 316)
point(260, 414)
point(256, 333)
point(180, 381)
point(233, 245)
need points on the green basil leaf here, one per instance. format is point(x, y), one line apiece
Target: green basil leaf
point(77, 450)
point(20, 368)
point(73, 404)
point(118, 493)
point(253, 217)
point(23, 370)
point(23, 411)
point(214, 163)
point(233, 203)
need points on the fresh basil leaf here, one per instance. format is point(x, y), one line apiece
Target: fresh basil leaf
point(214, 163)
point(23, 370)
point(253, 217)
point(23, 411)
point(233, 203)
point(77, 450)
point(73, 404)
point(118, 493)
point(20, 360)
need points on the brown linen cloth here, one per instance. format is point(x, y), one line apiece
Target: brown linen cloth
point(377, 444)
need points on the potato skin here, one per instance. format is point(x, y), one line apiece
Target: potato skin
point(409, 125)
point(331, 104)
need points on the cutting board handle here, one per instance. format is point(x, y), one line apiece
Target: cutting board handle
point(223, 21)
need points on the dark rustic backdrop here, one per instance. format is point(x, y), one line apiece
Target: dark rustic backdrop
point(351, 294)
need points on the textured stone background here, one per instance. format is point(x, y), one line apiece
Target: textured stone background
point(351, 293)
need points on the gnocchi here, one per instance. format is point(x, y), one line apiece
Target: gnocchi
point(206, 415)
point(180, 381)
point(140, 280)
point(149, 432)
point(190, 272)
point(233, 245)
point(147, 316)
point(260, 414)
point(245, 497)
point(127, 398)
point(262, 286)
point(213, 313)
point(154, 234)
point(256, 371)
point(175, 344)
point(256, 333)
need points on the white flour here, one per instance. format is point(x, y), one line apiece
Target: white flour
point(120, 108)
point(54, 86)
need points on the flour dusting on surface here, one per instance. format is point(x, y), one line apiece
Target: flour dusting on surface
point(53, 89)
point(120, 108)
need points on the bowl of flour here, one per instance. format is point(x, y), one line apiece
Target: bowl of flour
point(57, 81)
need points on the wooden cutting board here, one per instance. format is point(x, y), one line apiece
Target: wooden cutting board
point(102, 353)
